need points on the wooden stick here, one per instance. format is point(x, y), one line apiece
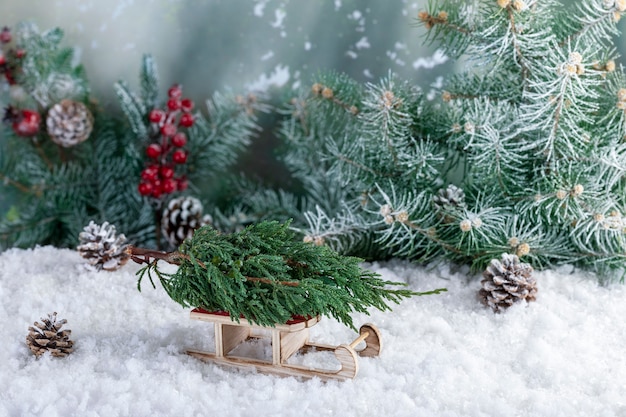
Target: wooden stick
point(270, 281)
point(359, 339)
point(23, 188)
point(143, 256)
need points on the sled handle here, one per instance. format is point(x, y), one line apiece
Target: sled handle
point(359, 339)
point(373, 343)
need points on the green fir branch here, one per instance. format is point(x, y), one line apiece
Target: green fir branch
point(134, 109)
point(149, 80)
point(264, 275)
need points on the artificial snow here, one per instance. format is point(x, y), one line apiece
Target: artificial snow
point(280, 15)
point(258, 8)
point(438, 58)
point(443, 355)
point(363, 43)
point(277, 78)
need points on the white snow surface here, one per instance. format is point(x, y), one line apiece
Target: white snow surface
point(443, 355)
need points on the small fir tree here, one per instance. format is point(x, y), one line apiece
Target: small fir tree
point(264, 275)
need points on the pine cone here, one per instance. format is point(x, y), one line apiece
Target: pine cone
point(48, 337)
point(506, 282)
point(102, 248)
point(69, 123)
point(181, 218)
point(451, 196)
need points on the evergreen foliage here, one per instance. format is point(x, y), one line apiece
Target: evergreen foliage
point(266, 276)
point(214, 141)
point(532, 131)
point(58, 190)
point(49, 71)
point(522, 153)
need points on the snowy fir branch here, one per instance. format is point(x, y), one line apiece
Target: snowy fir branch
point(45, 156)
point(522, 153)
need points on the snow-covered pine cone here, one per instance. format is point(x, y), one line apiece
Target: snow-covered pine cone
point(506, 282)
point(181, 217)
point(69, 123)
point(48, 337)
point(452, 196)
point(102, 247)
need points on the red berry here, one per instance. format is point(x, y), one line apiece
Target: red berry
point(145, 188)
point(186, 120)
point(156, 189)
point(173, 104)
point(153, 150)
point(9, 76)
point(186, 105)
point(169, 186)
point(149, 174)
point(182, 184)
point(168, 130)
point(179, 140)
point(5, 35)
point(175, 91)
point(166, 172)
point(179, 157)
point(156, 116)
point(20, 53)
point(25, 122)
point(3, 60)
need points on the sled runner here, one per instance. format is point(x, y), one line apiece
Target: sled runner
point(286, 339)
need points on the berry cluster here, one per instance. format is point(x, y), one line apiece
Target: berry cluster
point(166, 151)
point(24, 122)
point(9, 57)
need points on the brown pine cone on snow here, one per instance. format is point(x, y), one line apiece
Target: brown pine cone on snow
point(506, 282)
point(102, 247)
point(48, 337)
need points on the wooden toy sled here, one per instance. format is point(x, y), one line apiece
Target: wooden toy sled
point(286, 339)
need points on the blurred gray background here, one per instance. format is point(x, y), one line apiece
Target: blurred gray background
point(208, 45)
